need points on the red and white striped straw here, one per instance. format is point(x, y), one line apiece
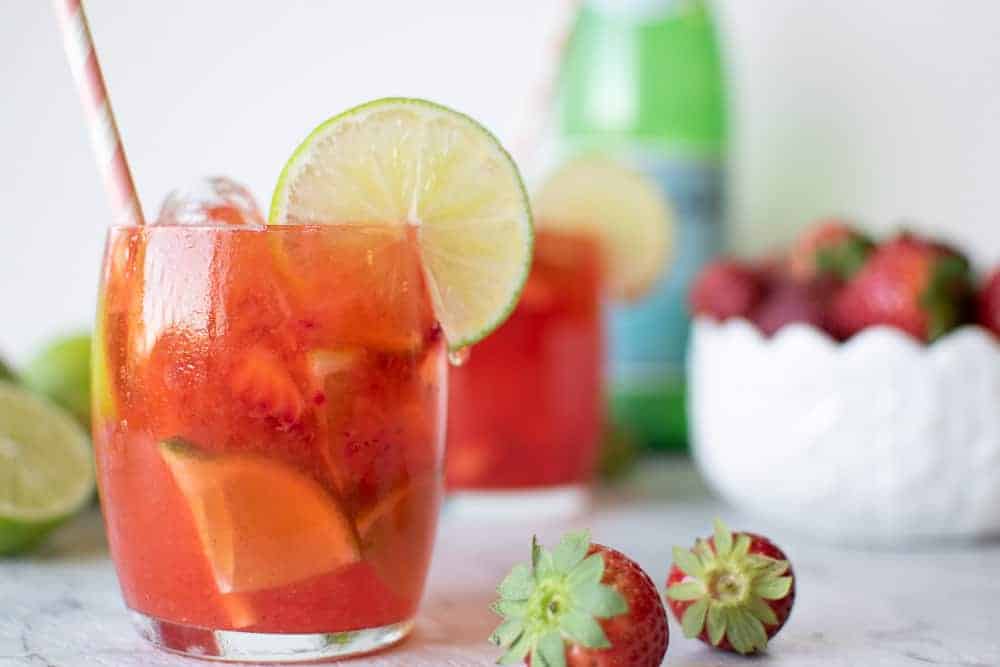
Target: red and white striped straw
point(104, 136)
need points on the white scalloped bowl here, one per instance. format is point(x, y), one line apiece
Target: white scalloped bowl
point(879, 440)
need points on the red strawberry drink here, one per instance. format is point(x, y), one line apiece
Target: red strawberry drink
point(526, 408)
point(270, 399)
point(269, 428)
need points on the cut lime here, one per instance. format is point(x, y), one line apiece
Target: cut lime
point(262, 523)
point(598, 195)
point(61, 373)
point(411, 162)
point(46, 472)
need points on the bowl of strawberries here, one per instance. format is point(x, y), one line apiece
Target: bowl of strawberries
point(850, 389)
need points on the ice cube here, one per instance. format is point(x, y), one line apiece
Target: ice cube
point(213, 202)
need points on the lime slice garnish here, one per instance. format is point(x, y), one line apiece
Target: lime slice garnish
point(262, 523)
point(623, 208)
point(411, 162)
point(46, 473)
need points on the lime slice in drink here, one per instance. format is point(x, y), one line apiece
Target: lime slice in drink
point(623, 208)
point(46, 473)
point(411, 162)
point(262, 523)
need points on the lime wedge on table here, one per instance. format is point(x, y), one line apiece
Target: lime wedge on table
point(411, 162)
point(46, 472)
point(620, 206)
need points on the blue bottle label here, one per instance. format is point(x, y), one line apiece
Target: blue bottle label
point(648, 339)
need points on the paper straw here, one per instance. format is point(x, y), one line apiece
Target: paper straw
point(104, 136)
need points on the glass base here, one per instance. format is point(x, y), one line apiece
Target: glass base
point(234, 646)
point(554, 501)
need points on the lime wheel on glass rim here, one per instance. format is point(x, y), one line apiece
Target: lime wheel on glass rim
point(411, 163)
point(620, 207)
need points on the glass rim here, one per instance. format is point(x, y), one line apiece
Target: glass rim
point(244, 228)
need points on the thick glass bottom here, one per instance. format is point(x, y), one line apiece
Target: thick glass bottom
point(233, 646)
point(539, 502)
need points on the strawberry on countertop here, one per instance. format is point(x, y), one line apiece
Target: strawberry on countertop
point(580, 604)
point(733, 591)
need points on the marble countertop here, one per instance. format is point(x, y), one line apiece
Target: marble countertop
point(933, 606)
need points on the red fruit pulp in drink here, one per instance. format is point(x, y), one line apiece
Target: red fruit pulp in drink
point(268, 424)
point(527, 408)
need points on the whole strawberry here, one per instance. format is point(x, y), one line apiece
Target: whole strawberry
point(915, 285)
point(733, 591)
point(988, 303)
point(829, 248)
point(789, 302)
point(726, 288)
point(579, 605)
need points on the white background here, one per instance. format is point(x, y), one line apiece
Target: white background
point(885, 110)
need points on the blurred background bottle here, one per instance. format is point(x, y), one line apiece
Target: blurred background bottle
point(643, 80)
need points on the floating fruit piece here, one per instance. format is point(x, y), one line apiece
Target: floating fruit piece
point(262, 382)
point(262, 523)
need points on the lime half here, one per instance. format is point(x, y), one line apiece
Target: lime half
point(627, 211)
point(403, 162)
point(46, 472)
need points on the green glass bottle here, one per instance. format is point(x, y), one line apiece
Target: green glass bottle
point(643, 79)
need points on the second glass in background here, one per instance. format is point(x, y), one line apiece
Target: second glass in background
point(526, 411)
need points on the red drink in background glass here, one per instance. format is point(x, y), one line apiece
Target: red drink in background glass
point(526, 410)
point(269, 413)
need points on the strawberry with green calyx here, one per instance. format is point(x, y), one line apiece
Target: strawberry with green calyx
point(910, 283)
point(831, 249)
point(580, 604)
point(733, 591)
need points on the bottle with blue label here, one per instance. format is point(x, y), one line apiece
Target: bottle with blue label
point(643, 80)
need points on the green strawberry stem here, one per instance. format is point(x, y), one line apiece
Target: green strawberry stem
point(729, 589)
point(557, 599)
point(946, 297)
point(842, 260)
